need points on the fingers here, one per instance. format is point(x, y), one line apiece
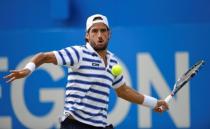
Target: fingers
point(9, 76)
point(166, 106)
point(161, 106)
point(158, 109)
point(12, 75)
point(10, 80)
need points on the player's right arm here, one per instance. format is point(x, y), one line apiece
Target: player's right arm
point(36, 61)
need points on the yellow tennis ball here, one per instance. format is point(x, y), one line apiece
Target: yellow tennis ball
point(117, 70)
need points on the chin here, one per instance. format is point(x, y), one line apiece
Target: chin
point(100, 48)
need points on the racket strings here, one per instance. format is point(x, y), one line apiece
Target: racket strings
point(187, 76)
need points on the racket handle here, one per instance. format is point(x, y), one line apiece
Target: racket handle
point(167, 99)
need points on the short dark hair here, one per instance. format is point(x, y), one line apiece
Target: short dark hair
point(97, 18)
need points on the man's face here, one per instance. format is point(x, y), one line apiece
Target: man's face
point(98, 36)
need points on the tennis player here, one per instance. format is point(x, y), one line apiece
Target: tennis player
point(89, 78)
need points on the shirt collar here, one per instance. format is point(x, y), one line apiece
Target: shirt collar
point(108, 53)
point(90, 47)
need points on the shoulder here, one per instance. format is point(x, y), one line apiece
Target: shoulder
point(78, 47)
point(113, 58)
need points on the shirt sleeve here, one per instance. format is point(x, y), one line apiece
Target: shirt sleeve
point(69, 56)
point(118, 81)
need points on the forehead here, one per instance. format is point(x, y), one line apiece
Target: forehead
point(98, 26)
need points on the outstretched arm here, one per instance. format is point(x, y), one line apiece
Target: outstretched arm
point(36, 61)
point(131, 95)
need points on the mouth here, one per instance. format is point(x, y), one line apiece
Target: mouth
point(100, 41)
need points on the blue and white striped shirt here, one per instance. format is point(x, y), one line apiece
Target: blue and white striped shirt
point(89, 83)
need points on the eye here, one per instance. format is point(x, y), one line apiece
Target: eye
point(94, 30)
point(103, 30)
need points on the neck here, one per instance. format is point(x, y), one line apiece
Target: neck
point(102, 53)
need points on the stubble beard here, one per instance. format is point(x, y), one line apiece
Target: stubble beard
point(96, 48)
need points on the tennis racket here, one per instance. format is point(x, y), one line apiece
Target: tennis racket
point(184, 79)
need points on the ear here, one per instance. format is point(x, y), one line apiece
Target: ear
point(87, 36)
point(110, 33)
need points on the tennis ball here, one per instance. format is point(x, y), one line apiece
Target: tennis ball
point(117, 70)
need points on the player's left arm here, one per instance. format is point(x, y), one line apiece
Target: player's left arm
point(127, 93)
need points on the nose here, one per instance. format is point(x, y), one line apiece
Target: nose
point(99, 34)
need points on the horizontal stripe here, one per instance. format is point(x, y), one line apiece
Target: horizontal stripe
point(63, 60)
point(89, 83)
point(89, 53)
point(91, 75)
point(77, 89)
point(113, 61)
point(66, 109)
point(87, 105)
point(91, 67)
point(118, 80)
point(88, 97)
point(88, 119)
point(109, 71)
point(99, 92)
point(69, 56)
point(76, 52)
point(91, 60)
point(91, 114)
point(86, 90)
point(110, 66)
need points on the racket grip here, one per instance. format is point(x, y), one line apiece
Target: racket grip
point(167, 99)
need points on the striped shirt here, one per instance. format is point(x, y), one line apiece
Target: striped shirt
point(89, 83)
